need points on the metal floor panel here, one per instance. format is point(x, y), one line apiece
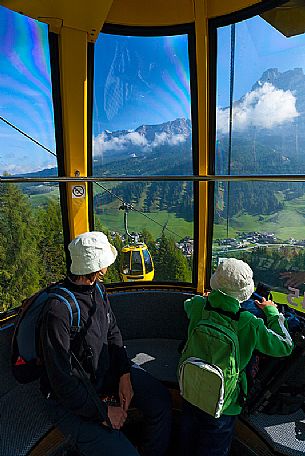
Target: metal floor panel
point(284, 433)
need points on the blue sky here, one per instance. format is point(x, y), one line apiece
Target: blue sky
point(25, 94)
point(143, 80)
point(258, 47)
point(137, 81)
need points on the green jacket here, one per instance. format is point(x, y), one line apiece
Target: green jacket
point(273, 339)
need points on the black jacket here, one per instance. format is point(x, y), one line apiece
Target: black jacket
point(109, 358)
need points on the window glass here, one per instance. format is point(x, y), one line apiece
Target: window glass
point(26, 97)
point(141, 122)
point(262, 223)
point(126, 262)
point(142, 126)
point(260, 74)
point(136, 262)
point(31, 241)
point(161, 215)
point(147, 261)
point(260, 130)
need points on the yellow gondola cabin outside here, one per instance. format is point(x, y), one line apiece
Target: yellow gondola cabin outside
point(137, 264)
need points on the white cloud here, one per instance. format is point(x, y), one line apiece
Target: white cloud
point(176, 139)
point(160, 139)
point(166, 138)
point(136, 139)
point(102, 143)
point(16, 169)
point(264, 107)
point(24, 167)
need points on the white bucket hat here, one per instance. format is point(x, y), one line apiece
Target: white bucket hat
point(234, 278)
point(91, 252)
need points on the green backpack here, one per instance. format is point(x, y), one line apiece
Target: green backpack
point(209, 366)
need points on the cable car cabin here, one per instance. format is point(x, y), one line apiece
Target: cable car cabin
point(137, 264)
point(189, 114)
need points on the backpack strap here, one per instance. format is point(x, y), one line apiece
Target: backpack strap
point(226, 313)
point(104, 297)
point(68, 298)
point(99, 289)
point(235, 317)
point(80, 337)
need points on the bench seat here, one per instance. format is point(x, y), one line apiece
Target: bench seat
point(159, 357)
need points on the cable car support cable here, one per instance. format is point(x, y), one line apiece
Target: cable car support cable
point(232, 62)
point(27, 136)
point(140, 212)
point(100, 185)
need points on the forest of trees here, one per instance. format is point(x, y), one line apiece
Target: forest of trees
point(32, 249)
point(31, 246)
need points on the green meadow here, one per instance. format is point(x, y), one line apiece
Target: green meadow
point(151, 221)
point(285, 224)
point(40, 199)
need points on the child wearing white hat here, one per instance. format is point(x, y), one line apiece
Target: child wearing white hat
point(231, 283)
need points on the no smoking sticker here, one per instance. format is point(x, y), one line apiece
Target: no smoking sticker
point(78, 191)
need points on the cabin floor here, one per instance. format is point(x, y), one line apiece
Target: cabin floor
point(54, 444)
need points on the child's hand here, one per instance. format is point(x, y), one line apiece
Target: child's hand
point(265, 303)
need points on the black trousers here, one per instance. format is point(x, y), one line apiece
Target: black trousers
point(93, 439)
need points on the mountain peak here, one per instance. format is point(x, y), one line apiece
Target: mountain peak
point(180, 126)
point(287, 80)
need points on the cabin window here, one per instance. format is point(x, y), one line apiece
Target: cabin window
point(125, 262)
point(259, 131)
point(136, 262)
point(142, 127)
point(31, 241)
point(26, 97)
point(31, 232)
point(147, 261)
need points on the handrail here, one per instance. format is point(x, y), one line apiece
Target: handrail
point(207, 178)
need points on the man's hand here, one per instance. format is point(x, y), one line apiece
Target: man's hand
point(117, 416)
point(125, 391)
point(264, 303)
point(293, 279)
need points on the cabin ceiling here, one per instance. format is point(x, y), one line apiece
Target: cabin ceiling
point(289, 18)
point(89, 16)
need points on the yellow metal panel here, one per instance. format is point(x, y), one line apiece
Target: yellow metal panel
point(220, 7)
point(87, 16)
point(73, 64)
point(203, 127)
point(151, 13)
point(77, 209)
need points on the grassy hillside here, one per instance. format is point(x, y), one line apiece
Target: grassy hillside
point(287, 223)
point(114, 221)
point(41, 199)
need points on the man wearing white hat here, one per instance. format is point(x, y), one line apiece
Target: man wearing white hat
point(232, 283)
point(103, 359)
